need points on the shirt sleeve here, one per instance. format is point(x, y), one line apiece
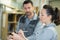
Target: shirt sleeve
point(18, 25)
point(32, 37)
point(46, 35)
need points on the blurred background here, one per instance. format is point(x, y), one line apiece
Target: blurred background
point(11, 10)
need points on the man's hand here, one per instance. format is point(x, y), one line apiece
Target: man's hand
point(19, 36)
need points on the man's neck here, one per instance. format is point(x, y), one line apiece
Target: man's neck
point(31, 16)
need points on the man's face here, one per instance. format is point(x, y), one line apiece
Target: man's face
point(28, 8)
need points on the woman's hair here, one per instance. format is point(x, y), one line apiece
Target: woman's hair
point(52, 12)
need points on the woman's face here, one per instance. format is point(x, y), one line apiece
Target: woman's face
point(44, 17)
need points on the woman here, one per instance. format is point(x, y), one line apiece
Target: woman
point(45, 29)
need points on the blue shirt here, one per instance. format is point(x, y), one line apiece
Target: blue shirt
point(26, 22)
point(47, 32)
point(28, 26)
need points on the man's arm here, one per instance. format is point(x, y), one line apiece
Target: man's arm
point(18, 25)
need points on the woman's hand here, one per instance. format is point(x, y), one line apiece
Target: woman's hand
point(21, 33)
point(19, 36)
point(9, 37)
point(16, 36)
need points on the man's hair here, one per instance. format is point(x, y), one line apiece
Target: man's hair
point(27, 1)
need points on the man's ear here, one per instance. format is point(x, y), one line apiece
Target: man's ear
point(33, 8)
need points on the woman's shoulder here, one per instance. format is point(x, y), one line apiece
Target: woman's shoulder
point(51, 29)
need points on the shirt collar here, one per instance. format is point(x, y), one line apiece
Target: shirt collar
point(50, 25)
point(34, 17)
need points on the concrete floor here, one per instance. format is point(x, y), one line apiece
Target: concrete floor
point(58, 30)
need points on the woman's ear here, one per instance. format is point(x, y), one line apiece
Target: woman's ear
point(50, 17)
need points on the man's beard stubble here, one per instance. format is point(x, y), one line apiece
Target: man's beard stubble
point(28, 13)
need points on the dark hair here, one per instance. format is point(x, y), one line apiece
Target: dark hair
point(52, 12)
point(27, 1)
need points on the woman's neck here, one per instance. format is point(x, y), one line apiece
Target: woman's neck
point(48, 22)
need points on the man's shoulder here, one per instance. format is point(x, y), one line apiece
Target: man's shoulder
point(22, 18)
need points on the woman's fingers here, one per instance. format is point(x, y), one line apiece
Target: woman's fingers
point(21, 33)
point(10, 37)
point(17, 36)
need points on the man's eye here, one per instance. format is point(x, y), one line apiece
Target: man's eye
point(24, 8)
point(28, 7)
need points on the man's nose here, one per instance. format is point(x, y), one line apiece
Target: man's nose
point(27, 10)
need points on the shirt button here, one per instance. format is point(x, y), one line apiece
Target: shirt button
point(37, 33)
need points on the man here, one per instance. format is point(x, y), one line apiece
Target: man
point(27, 22)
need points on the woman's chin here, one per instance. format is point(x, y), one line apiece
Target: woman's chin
point(42, 21)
